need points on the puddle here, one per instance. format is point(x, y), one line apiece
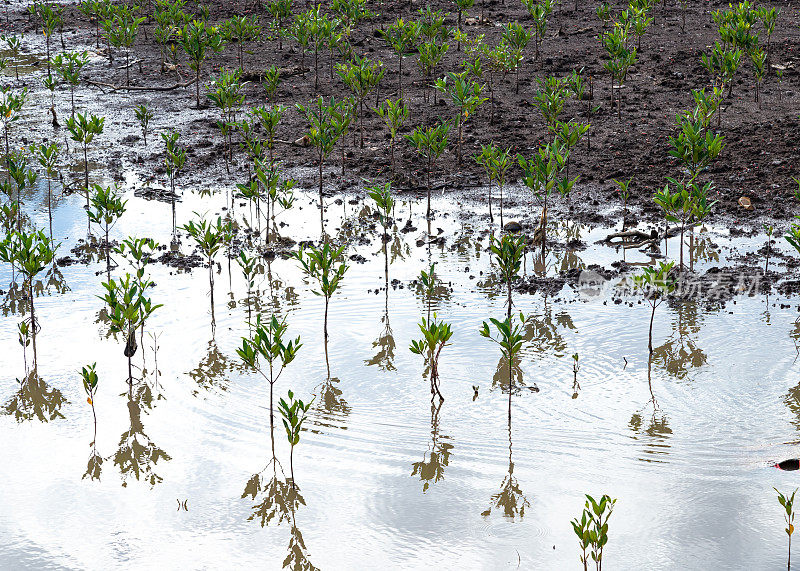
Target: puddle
point(683, 441)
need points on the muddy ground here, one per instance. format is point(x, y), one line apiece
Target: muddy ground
point(758, 161)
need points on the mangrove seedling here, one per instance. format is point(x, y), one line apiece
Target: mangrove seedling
point(68, 65)
point(583, 529)
point(687, 201)
point(51, 20)
point(30, 253)
point(83, 130)
point(793, 235)
point(623, 188)
point(542, 174)
point(401, 36)
point(361, 76)
point(695, 145)
point(198, 38)
point(495, 162)
point(225, 92)
point(539, 11)
point(107, 206)
point(436, 335)
point(241, 29)
point(209, 237)
point(89, 378)
point(326, 266)
point(128, 309)
point(430, 55)
point(10, 106)
point(122, 33)
point(550, 99)
point(294, 414)
point(592, 529)
point(23, 177)
point(270, 82)
point(326, 126)
point(508, 253)
point(656, 283)
point(787, 502)
point(394, 114)
point(47, 156)
point(267, 343)
point(510, 338)
point(759, 58)
point(430, 143)
point(144, 115)
point(465, 95)
point(13, 46)
point(269, 117)
point(384, 202)
point(174, 161)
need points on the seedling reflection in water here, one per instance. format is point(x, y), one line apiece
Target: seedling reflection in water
point(267, 342)
point(575, 368)
point(294, 414)
point(787, 502)
point(89, 378)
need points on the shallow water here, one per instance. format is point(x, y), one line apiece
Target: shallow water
point(688, 460)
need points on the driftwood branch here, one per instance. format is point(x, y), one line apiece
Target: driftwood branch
point(113, 87)
point(643, 236)
point(643, 239)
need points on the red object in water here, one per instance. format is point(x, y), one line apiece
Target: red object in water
point(788, 465)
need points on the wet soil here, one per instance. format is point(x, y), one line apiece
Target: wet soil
point(758, 161)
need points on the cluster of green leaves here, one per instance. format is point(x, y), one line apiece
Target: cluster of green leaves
point(240, 29)
point(465, 95)
point(592, 529)
point(294, 413)
point(198, 40)
point(267, 343)
point(394, 115)
point(325, 265)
